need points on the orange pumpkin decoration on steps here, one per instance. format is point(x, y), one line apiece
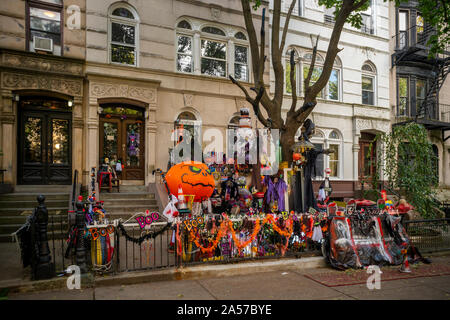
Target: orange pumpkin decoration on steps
point(194, 178)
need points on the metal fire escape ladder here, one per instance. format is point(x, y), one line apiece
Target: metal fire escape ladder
point(429, 107)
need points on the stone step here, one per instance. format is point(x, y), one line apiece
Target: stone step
point(42, 188)
point(6, 237)
point(104, 196)
point(130, 202)
point(128, 210)
point(31, 204)
point(32, 196)
point(52, 227)
point(29, 211)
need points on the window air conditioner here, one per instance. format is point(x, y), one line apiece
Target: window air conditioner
point(44, 44)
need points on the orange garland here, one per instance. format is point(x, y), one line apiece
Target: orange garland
point(239, 244)
point(178, 237)
point(220, 234)
point(223, 229)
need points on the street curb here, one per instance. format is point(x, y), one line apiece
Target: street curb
point(208, 271)
point(184, 273)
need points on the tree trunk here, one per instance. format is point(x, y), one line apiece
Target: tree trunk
point(287, 140)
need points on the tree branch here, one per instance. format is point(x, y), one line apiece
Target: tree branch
point(253, 40)
point(260, 82)
point(286, 25)
point(254, 102)
point(277, 55)
point(293, 83)
point(358, 5)
point(344, 12)
point(311, 66)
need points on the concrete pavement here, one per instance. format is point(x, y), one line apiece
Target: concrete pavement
point(284, 283)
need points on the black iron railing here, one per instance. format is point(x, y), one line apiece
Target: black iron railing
point(74, 188)
point(429, 235)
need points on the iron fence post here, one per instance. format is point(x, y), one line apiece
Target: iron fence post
point(80, 251)
point(44, 269)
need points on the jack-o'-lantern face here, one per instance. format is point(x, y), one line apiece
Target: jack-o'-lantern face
point(194, 177)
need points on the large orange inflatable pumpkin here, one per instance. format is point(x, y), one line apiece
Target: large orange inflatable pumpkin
point(194, 178)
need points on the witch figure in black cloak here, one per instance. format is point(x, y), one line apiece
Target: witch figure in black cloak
point(310, 171)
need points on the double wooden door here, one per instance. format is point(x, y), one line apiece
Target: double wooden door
point(124, 140)
point(45, 147)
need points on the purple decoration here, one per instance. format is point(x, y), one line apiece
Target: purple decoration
point(280, 188)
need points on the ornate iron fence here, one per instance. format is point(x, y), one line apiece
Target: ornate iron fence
point(429, 235)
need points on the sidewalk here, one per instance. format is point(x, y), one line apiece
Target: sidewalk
point(284, 282)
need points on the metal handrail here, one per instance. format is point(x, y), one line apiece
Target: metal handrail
point(74, 188)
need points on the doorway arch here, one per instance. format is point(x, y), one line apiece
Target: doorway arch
point(122, 138)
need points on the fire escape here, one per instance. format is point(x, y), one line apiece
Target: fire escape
point(412, 50)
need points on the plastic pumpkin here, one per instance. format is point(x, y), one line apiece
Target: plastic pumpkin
point(296, 156)
point(194, 177)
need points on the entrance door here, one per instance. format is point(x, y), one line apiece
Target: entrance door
point(45, 142)
point(367, 156)
point(122, 137)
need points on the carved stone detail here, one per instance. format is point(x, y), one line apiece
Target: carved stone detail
point(109, 90)
point(41, 64)
point(215, 13)
point(188, 98)
point(25, 81)
point(367, 124)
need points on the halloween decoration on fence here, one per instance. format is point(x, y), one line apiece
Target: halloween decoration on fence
point(194, 177)
point(150, 235)
point(102, 243)
point(147, 219)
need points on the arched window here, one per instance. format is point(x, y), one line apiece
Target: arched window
point(187, 123)
point(335, 144)
point(368, 84)
point(213, 30)
point(319, 143)
point(240, 36)
point(332, 89)
point(207, 53)
point(318, 67)
point(234, 122)
point(184, 25)
point(123, 34)
point(185, 52)
point(213, 52)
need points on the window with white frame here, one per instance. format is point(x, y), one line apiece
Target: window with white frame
point(368, 83)
point(44, 26)
point(367, 25)
point(332, 89)
point(205, 50)
point(185, 60)
point(318, 66)
point(123, 35)
point(240, 57)
point(328, 15)
point(333, 85)
point(403, 96)
point(298, 8)
point(333, 160)
point(334, 143)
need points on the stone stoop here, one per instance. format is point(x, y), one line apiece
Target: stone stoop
point(129, 201)
point(15, 207)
